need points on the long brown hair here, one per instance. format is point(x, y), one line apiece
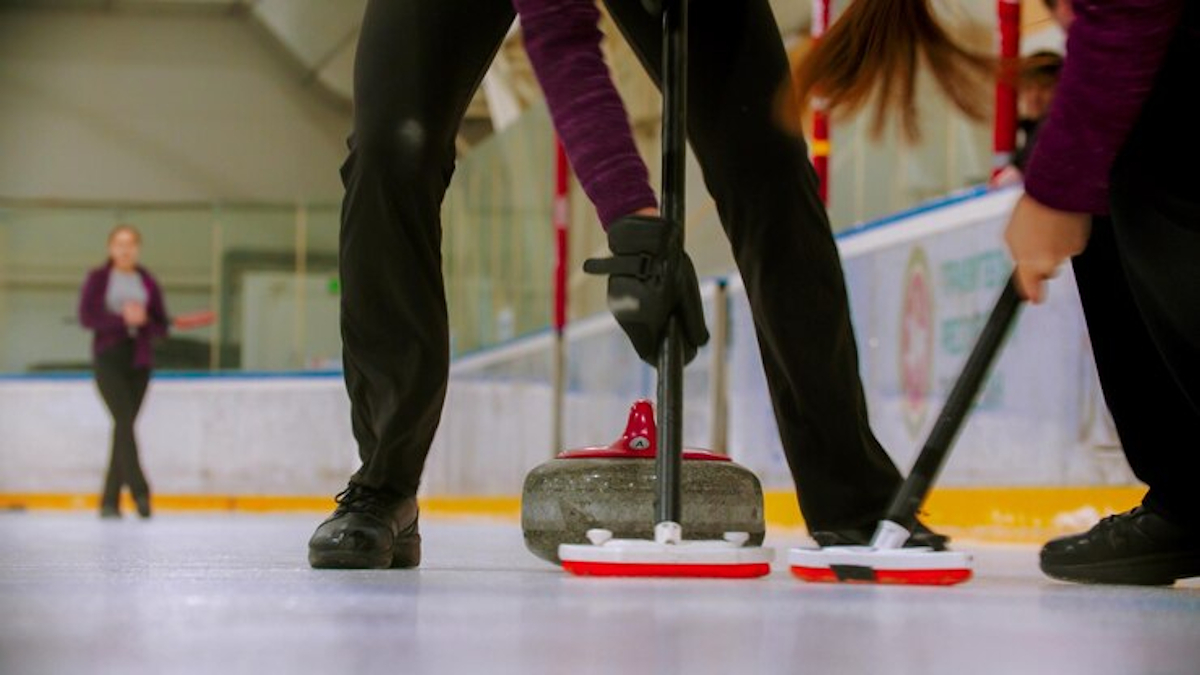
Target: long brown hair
point(878, 45)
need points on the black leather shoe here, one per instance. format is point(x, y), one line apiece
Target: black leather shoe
point(143, 505)
point(110, 511)
point(861, 536)
point(369, 529)
point(1136, 547)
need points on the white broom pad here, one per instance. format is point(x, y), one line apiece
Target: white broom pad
point(900, 559)
point(642, 551)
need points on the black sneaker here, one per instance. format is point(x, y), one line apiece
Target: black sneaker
point(1136, 547)
point(369, 529)
point(861, 536)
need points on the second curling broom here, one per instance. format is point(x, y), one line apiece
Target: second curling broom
point(885, 560)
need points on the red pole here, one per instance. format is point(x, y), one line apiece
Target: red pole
point(820, 141)
point(1004, 138)
point(561, 216)
point(562, 172)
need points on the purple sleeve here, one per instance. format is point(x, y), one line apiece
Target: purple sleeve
point(157, 324)
point(563, 43)
point(92, 312)
point(1114, 51)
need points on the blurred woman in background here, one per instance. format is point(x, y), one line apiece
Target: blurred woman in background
point(122, 304)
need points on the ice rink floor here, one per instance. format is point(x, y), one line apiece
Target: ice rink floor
point(234, 594)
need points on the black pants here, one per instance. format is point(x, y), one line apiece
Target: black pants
point(418, 65)
point(1139, 281)
point(123, 387)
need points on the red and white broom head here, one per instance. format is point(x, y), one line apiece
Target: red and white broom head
point(883, 562)
point(669, 555)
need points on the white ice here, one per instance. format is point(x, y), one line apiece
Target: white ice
point(234, 594)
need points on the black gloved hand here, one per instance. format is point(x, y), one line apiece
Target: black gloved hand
point(650, 278)
point(655, 7)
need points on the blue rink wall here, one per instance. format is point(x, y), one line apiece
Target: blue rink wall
point(920, 283)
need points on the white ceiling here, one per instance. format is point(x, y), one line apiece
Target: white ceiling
point(321, 34)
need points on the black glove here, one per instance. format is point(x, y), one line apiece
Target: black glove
point(650, 278)
point(655, 7)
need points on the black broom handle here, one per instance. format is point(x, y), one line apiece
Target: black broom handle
point(933, 455)
point(669, 462)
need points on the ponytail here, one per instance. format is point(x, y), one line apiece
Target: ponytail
point(879, 44)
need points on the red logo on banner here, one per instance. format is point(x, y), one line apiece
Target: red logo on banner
point(916, 340)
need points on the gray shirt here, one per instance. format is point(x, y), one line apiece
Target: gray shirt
point(124, 287)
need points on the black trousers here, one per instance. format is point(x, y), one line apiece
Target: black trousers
point(123, 388)
point(418, 65)
point(1139, 281)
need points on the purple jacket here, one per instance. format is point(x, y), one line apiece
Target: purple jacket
point(1127, 88)
point(109, 329)
point(563, 43)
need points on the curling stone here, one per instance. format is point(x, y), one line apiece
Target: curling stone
point(613, 488)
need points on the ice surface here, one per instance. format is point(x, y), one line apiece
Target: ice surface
point(234, 594)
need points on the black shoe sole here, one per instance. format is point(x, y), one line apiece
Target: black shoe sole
point(1158, 570)
point(405, 553)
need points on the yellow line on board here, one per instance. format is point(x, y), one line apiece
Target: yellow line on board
point(1030, 514)
point(247, 503)
point(1011, 514)
point(498, 506)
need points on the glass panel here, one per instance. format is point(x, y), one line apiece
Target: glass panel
point(259, 292)
point(177, 249)
point(498, 253)
point(322, 337)
point(45, 254)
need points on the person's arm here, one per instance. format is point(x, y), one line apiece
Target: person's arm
point(93, 314)
point(157, 321)
point(1115, 49)
point(562, 39)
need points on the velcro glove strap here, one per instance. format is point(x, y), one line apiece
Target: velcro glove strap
point(641, 266)
point(650, 279)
